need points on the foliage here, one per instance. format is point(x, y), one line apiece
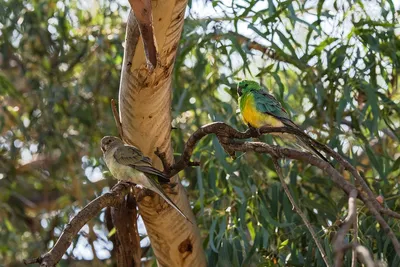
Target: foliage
point(60, 65)
point(334, 65)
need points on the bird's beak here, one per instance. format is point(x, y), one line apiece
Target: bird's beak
point(239, 90)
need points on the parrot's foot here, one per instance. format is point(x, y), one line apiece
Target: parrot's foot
point(123, 183)
point(141, 192)
point(254, 131)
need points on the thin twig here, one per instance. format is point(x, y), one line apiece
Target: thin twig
point(226, 135)
point(338, 245)
point(51, 258)
point(243, 40)
point(226, 132)
point(365, 255)
point(32, 261)
point(116, 119)
point(163, 157)
point(385, 226)
point(355, 240)
point(298, 211)
point(359, 179)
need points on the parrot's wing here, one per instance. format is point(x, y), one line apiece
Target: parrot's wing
point(133, 157)
point(266, 103)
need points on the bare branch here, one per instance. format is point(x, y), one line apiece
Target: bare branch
point(112, 198)
point(32, 261)
point(226, 134)
point(271, 53)
point(385, 226)
point(241, 39)
point(338, 245)
point(298, 211)
point(355, 240)
point(365, 256)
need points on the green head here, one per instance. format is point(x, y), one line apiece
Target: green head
point(246, 86)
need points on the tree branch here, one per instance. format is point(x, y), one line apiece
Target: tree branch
point(226, 135)
point(355, 240)
point(338, 246)
point(241, 39)
point(298, 211)
point(226, 132)
point(112, 198)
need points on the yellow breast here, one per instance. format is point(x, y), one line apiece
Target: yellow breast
point(256, 118)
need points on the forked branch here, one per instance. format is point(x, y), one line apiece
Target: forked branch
point(298, 211)
point(340, 247)
point(112, 198)
point(227, 135)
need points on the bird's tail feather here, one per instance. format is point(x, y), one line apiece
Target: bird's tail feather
point(304, 140)
point(309, 147)
point(159, 190)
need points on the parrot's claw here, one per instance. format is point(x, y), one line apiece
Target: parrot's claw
point(141, 192)
point(123, 183)
point(254, 131)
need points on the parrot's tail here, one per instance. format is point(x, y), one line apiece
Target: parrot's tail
point(156, 187)
point(307, 145)
point(304, 140)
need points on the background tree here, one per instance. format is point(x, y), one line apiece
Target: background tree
point(334, 65)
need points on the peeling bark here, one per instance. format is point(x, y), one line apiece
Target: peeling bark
point(145, 115)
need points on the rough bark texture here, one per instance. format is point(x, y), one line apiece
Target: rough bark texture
point(126, 239)
point(145, 114)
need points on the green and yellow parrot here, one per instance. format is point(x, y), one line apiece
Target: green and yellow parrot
point(258, 108)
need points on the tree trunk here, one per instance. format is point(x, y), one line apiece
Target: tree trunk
point(145, 114)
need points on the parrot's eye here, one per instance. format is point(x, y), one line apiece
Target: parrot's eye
point(107, 142)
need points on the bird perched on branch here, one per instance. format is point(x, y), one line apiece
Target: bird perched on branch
point(127, 163)
point(258, 108)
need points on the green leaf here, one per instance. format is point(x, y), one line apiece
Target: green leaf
point(9, 225)
point(286, 43)
point(283, 244)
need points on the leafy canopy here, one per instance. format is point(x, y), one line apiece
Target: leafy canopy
point(333, 65)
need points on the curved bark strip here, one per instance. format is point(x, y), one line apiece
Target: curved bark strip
point(143, 14)
point(145, 115)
